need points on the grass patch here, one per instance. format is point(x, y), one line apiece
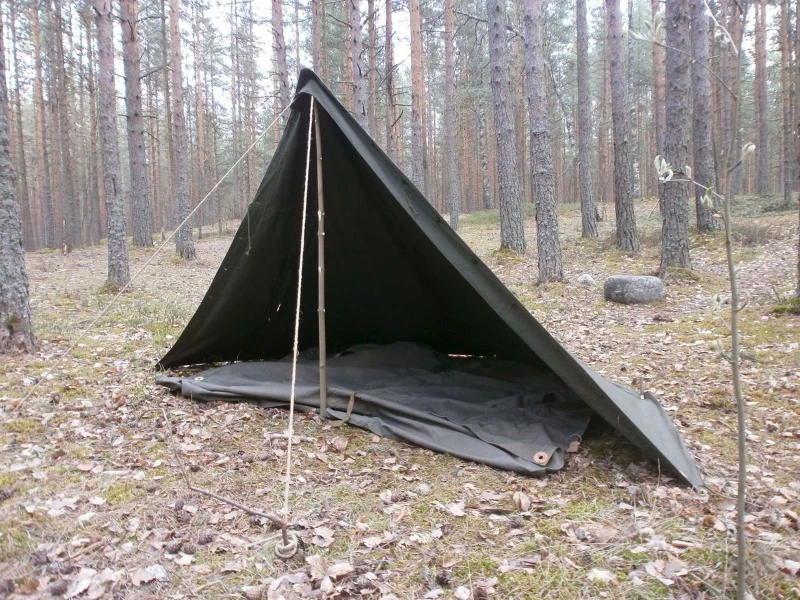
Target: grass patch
point(23, 426)
point(121, 492)
point(787, 307)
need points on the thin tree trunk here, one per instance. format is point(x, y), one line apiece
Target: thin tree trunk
point(183, 242)
point(787, 104)
point(627, 235)
point(42, 154)
point(454, 199)
point(137, 159)
point(636, 187)
point(486, 194)
point(762, 151)
point(588, 221)
point(703, 148)
point(512, 232)
point(70, 216)
point(200, 110)
point(168, 179)
point(316, 36)
point(392, 120)
point(118, 269)
point(372, 39)
point(675, 208)
point(279, 52)
point(359, 75)
point(547, 242)
point(417, 97)
point(16, 332)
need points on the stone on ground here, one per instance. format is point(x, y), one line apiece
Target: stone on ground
point(633, 289)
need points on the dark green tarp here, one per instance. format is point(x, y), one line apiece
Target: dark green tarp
point(395, 271)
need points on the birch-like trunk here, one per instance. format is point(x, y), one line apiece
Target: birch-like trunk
point(627, 235)
point(392, 121)
point(184, 243)
point(16, 332)
point(137, 160)
point(118, 269)
point(588, 221)
point(703, 144)
point(787, 104)
point(512, 232)
point(544, 192)
point(675, 208)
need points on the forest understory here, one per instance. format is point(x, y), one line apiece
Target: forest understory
point(93, 504)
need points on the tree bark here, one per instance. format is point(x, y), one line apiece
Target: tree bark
point(183, 242)
point(454, 195)
point(588, 221)
point(627, 236)
point(762, 126)
point(70, 215)
point(95, 220)
point(372, 70)
point(703, 144)
point(512, 232)
point(675, 208)
point(547, 242)
point(131, 51)
point(486, 193)
point(787, 104)
point(42, 154)
point(316, 36)
point(417, 97)
point(392, 120)
point(359, 75)
point(16, 332)
point(118, 269)
point(279, 51)
point(28, 236)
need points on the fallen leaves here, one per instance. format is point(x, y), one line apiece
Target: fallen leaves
point(147, 574)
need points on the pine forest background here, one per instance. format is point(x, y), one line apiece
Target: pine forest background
point(387, 62)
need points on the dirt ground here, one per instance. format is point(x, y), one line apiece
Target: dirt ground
point(93, 504)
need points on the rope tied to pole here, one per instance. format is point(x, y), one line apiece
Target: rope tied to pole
point(289, 547)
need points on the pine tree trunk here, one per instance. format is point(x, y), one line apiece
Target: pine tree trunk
point(118, 269)
point(627, 235)
point(95, 226)
point(588, 222)
point(279, 52)
point(168, 178)
point(787, 104)
point(512, 233)
point(547, 242)
point(703, 145)
point(316, 36)
point(762, 152)
point(359, 75)
point(636, 187)
point(28, 235)
point(454, 196)
point(131, 51)
point(16, 332)
point(417, 98)
point(392, 120)
point(675, 209)
point(42, 154)
point(70, 216)
point(184, 243)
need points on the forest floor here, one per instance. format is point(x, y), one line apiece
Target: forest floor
point(92, 502)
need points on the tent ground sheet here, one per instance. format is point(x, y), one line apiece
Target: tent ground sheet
point(486, 410)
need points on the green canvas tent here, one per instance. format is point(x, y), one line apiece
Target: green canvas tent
point(424, 343)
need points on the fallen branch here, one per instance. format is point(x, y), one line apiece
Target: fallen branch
point(272, 518)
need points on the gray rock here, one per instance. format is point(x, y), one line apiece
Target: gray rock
point(633, 289)
point(586, 280)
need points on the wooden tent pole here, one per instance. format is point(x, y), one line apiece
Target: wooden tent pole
point(323, 375)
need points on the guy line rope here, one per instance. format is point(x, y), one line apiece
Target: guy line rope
point(108, 306)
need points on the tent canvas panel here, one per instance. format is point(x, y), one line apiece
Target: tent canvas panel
point(395, 272)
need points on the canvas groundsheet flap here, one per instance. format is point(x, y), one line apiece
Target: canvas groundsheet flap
point(486, 410)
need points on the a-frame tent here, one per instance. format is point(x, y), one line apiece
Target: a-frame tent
point(395, 272)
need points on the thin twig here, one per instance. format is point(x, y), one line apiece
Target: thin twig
point(275, 520)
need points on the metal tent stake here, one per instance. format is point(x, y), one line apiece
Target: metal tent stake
point(323, 376)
